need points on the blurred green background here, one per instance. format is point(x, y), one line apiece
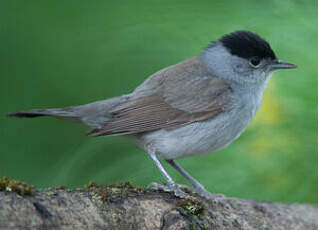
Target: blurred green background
point(61, 53)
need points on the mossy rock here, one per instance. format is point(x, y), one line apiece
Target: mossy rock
point(114, 192)
point(12, 185)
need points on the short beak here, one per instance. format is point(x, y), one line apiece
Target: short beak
point(278, 64)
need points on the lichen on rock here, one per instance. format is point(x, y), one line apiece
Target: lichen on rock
point(12, 185)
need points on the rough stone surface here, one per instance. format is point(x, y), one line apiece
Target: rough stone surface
point(123, 206)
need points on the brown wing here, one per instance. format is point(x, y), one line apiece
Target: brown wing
point(185, 94)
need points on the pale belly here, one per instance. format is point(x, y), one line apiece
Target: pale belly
point(198, 138)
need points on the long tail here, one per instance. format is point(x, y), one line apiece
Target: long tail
point(67, 112)
point(93, 114)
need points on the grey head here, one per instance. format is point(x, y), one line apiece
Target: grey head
point(242, 57)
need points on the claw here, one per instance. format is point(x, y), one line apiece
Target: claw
point(155, 186)
point(175, 188)
point(205, 194)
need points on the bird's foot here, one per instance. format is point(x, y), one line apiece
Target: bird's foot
point(183, 191)
point(178, 190)
point(206, 194)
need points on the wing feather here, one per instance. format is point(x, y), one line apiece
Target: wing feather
point(185, 93)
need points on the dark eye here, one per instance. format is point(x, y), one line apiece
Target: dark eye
point(255, 61)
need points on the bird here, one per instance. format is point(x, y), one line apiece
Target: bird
point(195, 107)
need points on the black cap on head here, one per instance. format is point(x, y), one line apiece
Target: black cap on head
point(246, 44)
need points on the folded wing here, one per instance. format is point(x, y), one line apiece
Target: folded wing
point(177, 96)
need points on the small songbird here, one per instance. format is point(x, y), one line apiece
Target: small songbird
point(195, 107)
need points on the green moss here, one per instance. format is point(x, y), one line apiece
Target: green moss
point(193, 207)
point(22, 188)
point(195, 213)
point(114, 192)
point(61, 187)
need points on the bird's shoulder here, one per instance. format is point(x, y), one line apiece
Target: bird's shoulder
point(187, 86)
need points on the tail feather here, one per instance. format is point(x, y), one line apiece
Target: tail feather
point(93, 114)
point(64, 112)
point(28, 114)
